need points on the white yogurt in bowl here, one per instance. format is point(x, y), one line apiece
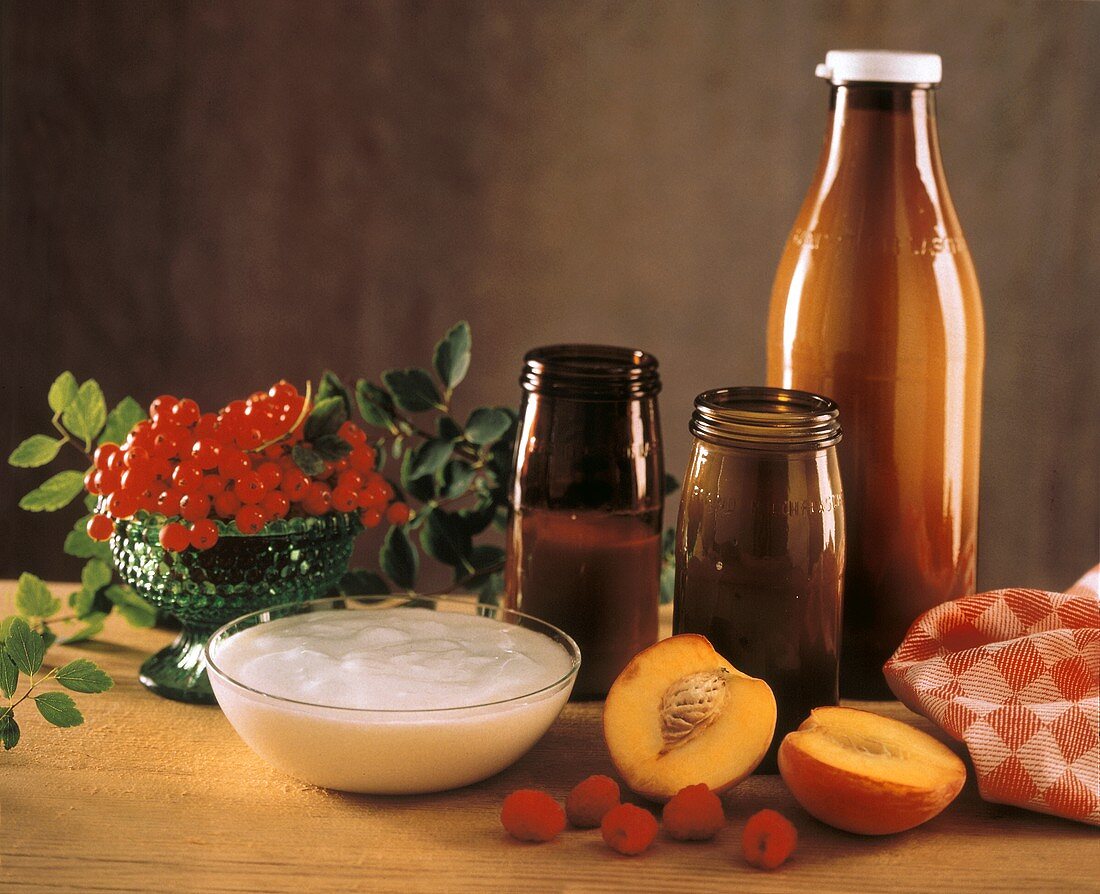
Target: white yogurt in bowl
point(391, 697)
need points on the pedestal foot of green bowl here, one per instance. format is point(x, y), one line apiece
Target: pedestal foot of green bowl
point(179, 671)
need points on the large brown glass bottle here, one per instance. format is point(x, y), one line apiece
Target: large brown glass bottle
point(876, 305)
point(584, 533)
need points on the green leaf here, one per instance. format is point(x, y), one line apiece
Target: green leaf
point(132, 607)
point(358, 582)
point(489, 588)
point(48, 636)
point(93, 626)
point(83, 675)
point(413, 390)
point(452, 355)
point(430, 457)
point(309, 461)
point(487, 425)
point(33, 598)
point(325, 418)
point(126, 414)
point(79, 544)
point(486, 556)
point(375, 405)
point(24, 646)
point(62, 392)
point(477, 519)
point(95, 575)
point(445, 539)
point(399, 559)
point(9, 731)
point(457, 477)
point(422, 488)
point(86, 415)
point(58, 708)
point(54, 493)
point(331, 447)
point(36, 451)
point(9, 675)
point(671, 484)
point(332, 386)
point(5, 628)
point(447, 429)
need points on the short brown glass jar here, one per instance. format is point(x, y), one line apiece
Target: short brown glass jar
point(760, 543)
point(584, 535)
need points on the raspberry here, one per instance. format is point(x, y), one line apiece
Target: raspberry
point(693, 814)
point(628, 829)
point(768, 840)
point(204, 534)
point(531, 815)
point(100, 528)
point(174, 537)
point(590, 799)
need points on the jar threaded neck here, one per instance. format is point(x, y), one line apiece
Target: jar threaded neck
point(766, 419)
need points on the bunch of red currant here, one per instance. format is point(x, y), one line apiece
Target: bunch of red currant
point(237, 465)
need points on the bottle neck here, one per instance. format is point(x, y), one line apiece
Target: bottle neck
point(889, 129)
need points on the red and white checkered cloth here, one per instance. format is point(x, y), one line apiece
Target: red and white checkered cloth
point(1015, 674)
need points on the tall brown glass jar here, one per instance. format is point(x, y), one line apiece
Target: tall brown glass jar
point(876, 305)
point(760, 543)
point(584, 539)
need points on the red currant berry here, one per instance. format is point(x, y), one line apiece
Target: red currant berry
point(275, 504)
point(122, 504)
point(370, 518)
point(168, 502)
point(270, 474)
point(318, 499)
point(100, 528)
point(186, 412)
point(102, 455)
point(212, 485)
point(250, 519)
point(282, 392)
point(108, 481)
point(206, 426)
point(205, 453)
point(351, 478)
point(352, 433)
point(187, 477)
point(295, 484)
point(249, 488)
point(362, 458)
point(249, 438)
point(376, 494)
point(397, 514)
point(204, 534)
point(91, 481)
point(232, 462)
point(174, 537)
point(226, 504)
point(136, 479)
point(344, 499)
point(195, 506)
point(161, 406)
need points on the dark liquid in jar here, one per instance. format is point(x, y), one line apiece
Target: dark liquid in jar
point(596, 575)
point(759, 574)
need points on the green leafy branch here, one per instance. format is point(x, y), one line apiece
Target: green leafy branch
point(22, 651)
point(453, 476)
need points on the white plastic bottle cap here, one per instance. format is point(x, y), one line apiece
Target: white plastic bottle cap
point(882, 66)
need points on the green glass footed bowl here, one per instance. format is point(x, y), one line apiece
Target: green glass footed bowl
point(291, 560)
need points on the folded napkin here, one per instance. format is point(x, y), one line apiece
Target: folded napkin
point(1015, 674)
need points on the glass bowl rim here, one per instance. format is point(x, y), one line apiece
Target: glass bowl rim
point(290, 527)
point(564, 639)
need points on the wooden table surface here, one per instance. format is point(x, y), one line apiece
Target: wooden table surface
point(154, 795)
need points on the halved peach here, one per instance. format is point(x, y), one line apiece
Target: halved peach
point(680, 714)
point(865, 773)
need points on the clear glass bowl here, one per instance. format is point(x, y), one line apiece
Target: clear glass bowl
point(391, 751)
point(290, 561)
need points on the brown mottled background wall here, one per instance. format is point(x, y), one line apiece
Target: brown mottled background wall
point(200, 198)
